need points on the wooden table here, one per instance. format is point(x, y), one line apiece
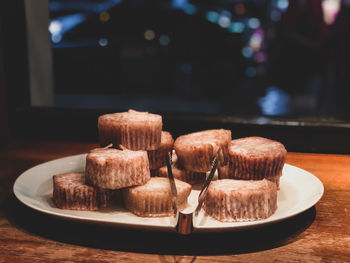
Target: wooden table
point(321, 233)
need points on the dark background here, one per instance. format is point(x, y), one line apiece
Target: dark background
point(271, 68)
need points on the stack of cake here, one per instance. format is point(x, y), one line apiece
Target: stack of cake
point(143, 147)
point(194, 153)
point(248, 183)
point(135, 146)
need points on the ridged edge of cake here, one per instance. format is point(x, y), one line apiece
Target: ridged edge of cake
point(118, 174)
point(233, 208)
point(74, 196)
point(146, 138)
point(242, 167)
point(150, 203)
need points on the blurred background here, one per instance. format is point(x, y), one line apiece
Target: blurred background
point(253, 57)
point(259, 62)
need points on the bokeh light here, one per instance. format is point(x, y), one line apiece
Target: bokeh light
point(250, 72)
point(224, 21)
point(104, 16)
point(103, 42)
point(164, 40)
point(149, 34)
point(240, 9)
point(237, 27)
point(247, 52)
point(253, 23)
point(212, 16)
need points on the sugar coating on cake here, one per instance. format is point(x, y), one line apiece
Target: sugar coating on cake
point(115, 169)
point(255, 158)
point(196, 151)
point(230, 200)
point(154, 199)
point(109, 128)
point(71, 192)
point(157, 158)
point(141, 131)
point(133, 129)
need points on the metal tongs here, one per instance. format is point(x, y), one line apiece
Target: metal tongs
point(172, 182)
point(184, 225)
point(204, 190)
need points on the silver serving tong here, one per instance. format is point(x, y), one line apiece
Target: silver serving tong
point(204, 190)
point(172, 182)
point(185, 225)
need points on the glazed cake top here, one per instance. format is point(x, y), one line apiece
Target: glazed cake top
point(247, 186)
point(218, 136)
point(256, 147)
point(166, 141)
point(160, 184)
point(116, 117)
point(69, 179)
point(102, 155)
point(166, 137)
point(131, 115)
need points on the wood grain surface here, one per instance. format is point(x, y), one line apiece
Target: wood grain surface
point(320, 234)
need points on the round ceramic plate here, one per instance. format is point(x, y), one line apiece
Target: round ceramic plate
point(299, 190)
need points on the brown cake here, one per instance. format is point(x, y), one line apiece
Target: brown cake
point(197, 150)
point(106, 197)
point(230, 200)
point(141, 131)
point(223, 172)
point(181, 173)
point(133, 129)
point(157, 158)
point(71, 192)
point(109, 128)
point(154, 199)
point(256, 158)
point(226, 172)
point(115, 169)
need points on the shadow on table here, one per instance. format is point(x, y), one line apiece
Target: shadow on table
point(141, 241)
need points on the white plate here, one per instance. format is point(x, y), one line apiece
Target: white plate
point(299, 190)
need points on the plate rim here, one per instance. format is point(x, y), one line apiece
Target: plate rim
point(172, 228)
point(270, 220)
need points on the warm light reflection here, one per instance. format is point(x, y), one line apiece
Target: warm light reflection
point(104, 17)
point(256, 39)
point(149, 34)
point(239, 9)
point(330, 9)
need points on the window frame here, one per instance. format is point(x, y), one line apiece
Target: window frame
point(52, 123)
